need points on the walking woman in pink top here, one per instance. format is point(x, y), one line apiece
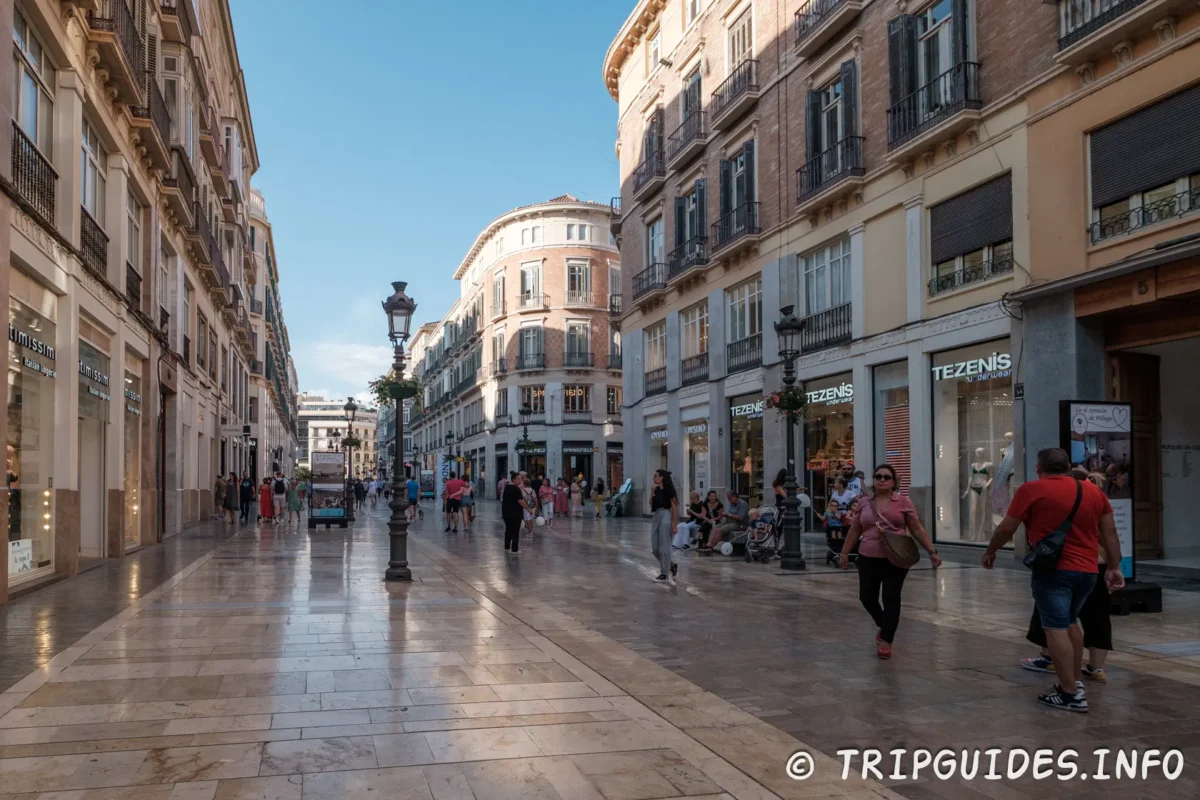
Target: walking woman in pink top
point(884, 510)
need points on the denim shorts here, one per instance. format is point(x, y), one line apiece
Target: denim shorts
point(1059, 596)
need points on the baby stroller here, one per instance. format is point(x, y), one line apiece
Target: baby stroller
point(762, 542)
point(834, 542)
point(615, 506)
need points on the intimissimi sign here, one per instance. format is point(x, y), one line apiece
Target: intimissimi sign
point(25, 340)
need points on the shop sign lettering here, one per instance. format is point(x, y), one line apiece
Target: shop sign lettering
point(133, 410)
point(132, 395)
point(747, 409)
point(20, 556)
point(696, 430)
point(25, 340)
point(833, 395)
point(36, 367)
point(93, 374)
point(102, 395)
point(658, 435)
point(997, 365)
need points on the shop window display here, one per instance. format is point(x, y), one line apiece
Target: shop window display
point(972, 433)
point(133, 457)
point(746, 447)
point(828, 434)
point(892, 438)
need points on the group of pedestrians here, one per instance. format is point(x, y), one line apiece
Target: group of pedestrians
point(279, 499)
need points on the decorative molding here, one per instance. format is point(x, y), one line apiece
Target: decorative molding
point(828, 213)
point(1165, 28)
point(973, 136)
point(915, 200)
point(742, 378)
point(951, 147)
point(909, 169)
point(1086, 72)
point(693, 391)
point(814, 219)
point(930, 157)
point(1123, 50)
point(98, 291)
point(858, 197)
point(843, 204)
point(36, 234)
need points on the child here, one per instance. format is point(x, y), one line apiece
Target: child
point(835, 529)
point(760, 529)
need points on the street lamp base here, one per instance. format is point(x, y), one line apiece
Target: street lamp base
point(792, 561)
point(398, 574)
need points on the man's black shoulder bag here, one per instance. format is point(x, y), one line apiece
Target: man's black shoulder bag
point(1043, 557)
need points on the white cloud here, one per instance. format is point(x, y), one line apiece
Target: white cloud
point(342, 369)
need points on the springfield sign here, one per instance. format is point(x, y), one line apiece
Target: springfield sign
point(997, 365)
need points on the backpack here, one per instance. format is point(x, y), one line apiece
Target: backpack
point(280, 486)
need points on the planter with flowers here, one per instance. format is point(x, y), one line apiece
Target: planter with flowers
point(789, 401)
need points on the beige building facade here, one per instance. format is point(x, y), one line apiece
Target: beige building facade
point(129, 273)
point(531, 329)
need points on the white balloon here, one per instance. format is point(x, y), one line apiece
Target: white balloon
point(726, 549)
point(539, 521)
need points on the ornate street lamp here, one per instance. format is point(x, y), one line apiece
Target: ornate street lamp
point(788, 330)
point(351, 408)
point(524, 446)
point(399, 309)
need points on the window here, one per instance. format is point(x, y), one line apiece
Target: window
point(741, 39)
point(579, 282)
point(201, 338)
point(212, 353)
point(570, 232)
point(224, 369)
point(33, 86)
point(831, 115)
point(133, 232)
point(531, 281)
point(614, 280)
point(745, 311)
point(971, 236)
point(935, 49)
point(164, 271)
point(531, 235)
point(94, 167)
point(690, 97)
point(737, 185)
point(583, 233)
point(498, 343)
point(577, 399)
point(694, 323)
point(502, 403)
point(826, 277)
point(578, 338)
point(692, 10)
point(654, 243)
point(613, 400)
point(531, 343)
point(535, 398)
point(656, 347)
point(498, 295)
point(653, 50)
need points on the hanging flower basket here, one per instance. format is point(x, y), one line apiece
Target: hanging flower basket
point(788, 400)
point(387, 389)
point(351, 442)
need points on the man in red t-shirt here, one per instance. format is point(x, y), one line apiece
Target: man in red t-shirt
point(453, 491)
point(1042, 506)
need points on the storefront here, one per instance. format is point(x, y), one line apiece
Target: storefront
point(616, 465)
point(891, 421)
point(501, 467)
point(695, 451)
point(746, 447)
point(658, 452)
point(533, 459)
point(30, 447)
point(972, 433)
point(828, 435)
point(577, 460)
point(94, 403)
point(133, 452)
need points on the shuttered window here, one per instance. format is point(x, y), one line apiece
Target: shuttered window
point(972, 220)
point(1147, 149)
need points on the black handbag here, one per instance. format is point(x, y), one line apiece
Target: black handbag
point(1043, 557)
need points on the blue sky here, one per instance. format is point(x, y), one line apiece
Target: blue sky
point(388, 137)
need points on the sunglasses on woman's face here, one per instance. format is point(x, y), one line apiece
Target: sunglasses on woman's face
point(883, 476)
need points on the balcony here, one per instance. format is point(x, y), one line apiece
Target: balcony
point(164, 320)
point(114, 31)
point(33, 177)
point(688, 140)
point(93, 243)
point(174, 21)
point(1169, 208)
point(210, 146)
point(1089, 29)
point(656, 381)
point(695, 369)
point(650, 280)
point(939, 110)
point(614, 220)
point(153, 121)
point(967, 275)
point(650, 175)
point(500, 366)
point(533, 302)
point(833, 174)
point(256, 307)
point(744, 354)
point(179, 186)
point(579, 360)
point(733, 97)
point(529, 361)
point(737, 229)
point(818, 21)
point(614, 305)
point(133, 287)
point(692, 253)
point(218, 263)
point(579, 297)
point(256, 368)
point(826, 328)
point(614, 359)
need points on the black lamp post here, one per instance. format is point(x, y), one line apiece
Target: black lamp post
point(351, 408)
point(788, 329)
point(399, 309)
point(524, 446)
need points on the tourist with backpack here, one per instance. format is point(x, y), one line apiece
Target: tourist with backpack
point(279, 488)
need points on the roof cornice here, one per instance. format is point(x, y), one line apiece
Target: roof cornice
point(628, 36)
point(535, 210)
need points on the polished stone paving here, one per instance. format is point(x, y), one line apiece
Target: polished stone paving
point(263, 663)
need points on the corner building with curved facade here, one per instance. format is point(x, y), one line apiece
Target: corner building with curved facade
point(531, 329)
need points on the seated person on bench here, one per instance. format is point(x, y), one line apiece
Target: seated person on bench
point(735, 520)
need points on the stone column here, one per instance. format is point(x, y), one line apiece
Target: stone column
point(914, 227)
point(674, 352)
point(920, 432)
point(858, 279)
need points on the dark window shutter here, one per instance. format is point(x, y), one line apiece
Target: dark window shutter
point(812, 125)
point(902, 54)
point(1147, 149)
point(701, 205)
point(540, 341)
point(974, 219)
point(726, 187)
point(850, 98)
point(680, 214)
point(960, 30)
point(748, 151)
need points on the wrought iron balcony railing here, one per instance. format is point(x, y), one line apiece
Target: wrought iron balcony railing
point(256, 306)
point(692, 131)
point(744, 354)
point(155, 110)
point(826, 328)
point(811, 15)
point(164, 319)
point(93, 242)
point(614, 305)
point(614, 359)
point(843, 160)
point(526, 301)
point(33, 177)
point(1173, 207)
point(741, 82)
point(653, 166)
point(656, 381)
point(116, 17)
point(1079, 19)
point(531, 361)
point(955, 90)
point(649, 279)
point(187, 350)
point(500, 366)
point(578, 360)
point(579, 297)
point(695, 369)
point(133, 287)
point(973, 274)
point(692, 253)
point(737, 224)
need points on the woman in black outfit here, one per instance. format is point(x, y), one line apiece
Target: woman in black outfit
point(780, 492)
point(510, 512)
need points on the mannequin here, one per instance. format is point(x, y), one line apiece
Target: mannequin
point(978, 483)
point(1001, 489)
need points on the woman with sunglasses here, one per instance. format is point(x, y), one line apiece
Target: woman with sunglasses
point(885, 510)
